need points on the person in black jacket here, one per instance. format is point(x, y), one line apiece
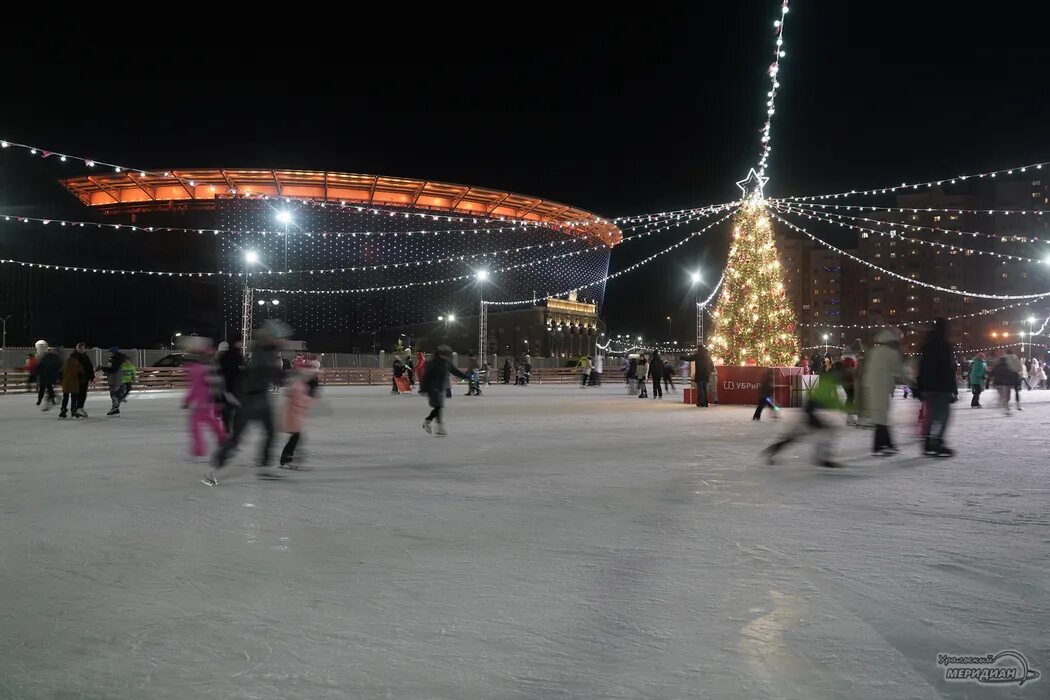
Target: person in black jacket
point(47, 371)
point(435, 381)
point(656, 371)
point(114, 375)
point(231, 359)
point(89, 376)
point(263, 371)
point(702, 374)
point(937, 388)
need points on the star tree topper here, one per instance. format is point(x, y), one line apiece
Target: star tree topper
point(751, 186)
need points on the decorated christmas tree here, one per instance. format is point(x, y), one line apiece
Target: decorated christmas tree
point(754, 322)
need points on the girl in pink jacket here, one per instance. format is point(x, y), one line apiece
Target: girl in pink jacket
point(203, 397)
point(298, 395)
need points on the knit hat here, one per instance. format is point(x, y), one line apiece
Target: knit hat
point(114, 350)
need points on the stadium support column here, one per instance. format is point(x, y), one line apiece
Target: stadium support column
point(483, 329)
point(246, 318)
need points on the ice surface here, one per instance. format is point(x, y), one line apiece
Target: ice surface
point(559, 543)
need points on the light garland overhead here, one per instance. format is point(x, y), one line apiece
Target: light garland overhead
point(458, 278)
point(624, 271)
point(868, 326)
point(917, 185)
point(668, 214)
point(910, 280)
point(902, 237)
point(919, 210)
point(812, 208)
point(359, 268)
point(774, 84)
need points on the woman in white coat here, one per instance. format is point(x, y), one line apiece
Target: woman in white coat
point(1036, 375)
point(883, 370)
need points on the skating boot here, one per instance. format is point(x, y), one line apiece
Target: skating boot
point(426, 426)
point(113, 412)
point(441, 432)
point(210, 480)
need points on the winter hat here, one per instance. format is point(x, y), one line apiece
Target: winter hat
point(114, 350)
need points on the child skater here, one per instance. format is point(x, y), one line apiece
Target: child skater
point(298, 395)
point(204, 397)
point(765, 397)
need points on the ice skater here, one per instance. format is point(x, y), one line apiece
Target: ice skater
point(435, 383)
point(115, 378)
point(298, 393)
point(127, 376)
point(205, 396)
point(883, 369)
point(72, 375)
point(263, 371)
point(936, 387)
point(669, 376)
point(231, 360)
point(85, 381)
point(822, 397)
point(978, 372)
point(1007, 378)
point(47, 370)
point(765, 396)
point(656, 371)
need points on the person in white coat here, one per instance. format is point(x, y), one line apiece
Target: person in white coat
point(1024, 377)
point(883, 370)
point(1036, 375)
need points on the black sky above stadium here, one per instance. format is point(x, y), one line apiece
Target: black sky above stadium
point(654, 108)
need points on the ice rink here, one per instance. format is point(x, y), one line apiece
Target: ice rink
point(560, 543)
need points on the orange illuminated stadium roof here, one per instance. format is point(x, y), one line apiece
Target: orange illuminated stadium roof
point(130, 192)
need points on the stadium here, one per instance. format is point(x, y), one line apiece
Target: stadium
point(354, 260)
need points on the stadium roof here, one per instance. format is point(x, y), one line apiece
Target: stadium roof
point(130, 192)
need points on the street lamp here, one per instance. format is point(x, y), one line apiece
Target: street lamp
point(825, 343)
point(1031, 320)
point(669, 327)
point(3, 347)
point(251, 257)
point(694, 278)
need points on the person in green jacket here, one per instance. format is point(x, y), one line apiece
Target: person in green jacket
point(127, 372)
point(822, 397)
point(978, 371)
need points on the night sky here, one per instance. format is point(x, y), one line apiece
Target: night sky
point(615, 114)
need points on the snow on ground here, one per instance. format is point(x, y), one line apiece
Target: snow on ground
point(559, 543)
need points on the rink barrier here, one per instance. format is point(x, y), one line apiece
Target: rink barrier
point(159, 378)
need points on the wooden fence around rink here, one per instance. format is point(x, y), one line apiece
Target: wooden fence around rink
point(15, 381)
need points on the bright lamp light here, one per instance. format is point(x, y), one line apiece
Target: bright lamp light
point(482, 275)
point(284, 216)
point(451, 317)
point(251, 257)
point(695, 277)
point(276, 302)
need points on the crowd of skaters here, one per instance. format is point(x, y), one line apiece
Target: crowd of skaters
point(226, 394)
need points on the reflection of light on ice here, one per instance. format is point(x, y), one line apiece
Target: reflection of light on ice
point(762, 644)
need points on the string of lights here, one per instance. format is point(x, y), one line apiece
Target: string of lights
point(864, 326)
point(361, 268)
point(910, 280)
point(902, 237)
point(624, 271)
point(917, 185)
point(474, 275)
point(774, 70)
point(922, 210)
point(669, 214)
point(1011, 238)
point(46, 221)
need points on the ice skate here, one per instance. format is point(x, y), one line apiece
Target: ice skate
point(441, 432)
point(62, 414)
point(210, 480)
point(113, 412)
point(426, 426)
